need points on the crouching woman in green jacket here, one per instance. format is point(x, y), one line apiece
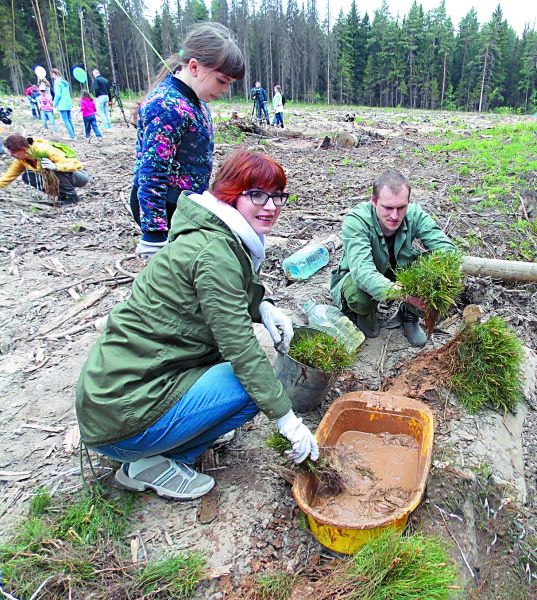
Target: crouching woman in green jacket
point(179, 364)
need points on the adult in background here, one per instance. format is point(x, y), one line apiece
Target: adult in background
point(175, 138)
point(377, 239)
point(101, 91)
point(260, 98)
point(179, 364)
point(62, 101)
point(69, 171)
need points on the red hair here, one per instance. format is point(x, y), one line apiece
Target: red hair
point(243, 170)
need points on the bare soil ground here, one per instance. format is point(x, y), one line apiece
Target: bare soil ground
point(60, 271)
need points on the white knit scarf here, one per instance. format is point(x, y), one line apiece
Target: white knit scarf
point(255, 242)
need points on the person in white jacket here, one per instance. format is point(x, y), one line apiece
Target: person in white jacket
point(277, 104)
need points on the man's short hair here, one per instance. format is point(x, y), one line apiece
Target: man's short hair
point(96, 73)
point(394, 180)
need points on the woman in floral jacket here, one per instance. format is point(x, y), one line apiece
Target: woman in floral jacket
point(175, 141)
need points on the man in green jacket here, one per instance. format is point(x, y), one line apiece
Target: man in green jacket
point(377, 239)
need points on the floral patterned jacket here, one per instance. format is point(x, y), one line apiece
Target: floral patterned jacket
point(174, 152)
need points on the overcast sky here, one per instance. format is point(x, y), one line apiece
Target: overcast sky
point(517, 13)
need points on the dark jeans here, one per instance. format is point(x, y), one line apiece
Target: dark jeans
point(262, 106)
point(135, 207)
point(90, 123)
point(68, 181)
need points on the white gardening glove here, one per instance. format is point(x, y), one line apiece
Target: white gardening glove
point(146, 250)
point(46, 163)
point(300, 436)
point(278, 324)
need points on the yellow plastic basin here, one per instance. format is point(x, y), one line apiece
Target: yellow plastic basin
point(371, 412)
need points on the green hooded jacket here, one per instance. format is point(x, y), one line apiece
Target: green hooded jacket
point(191, 308)
point(365, 252)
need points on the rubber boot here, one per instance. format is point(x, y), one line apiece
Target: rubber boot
point(368, 324)
point(411, 327)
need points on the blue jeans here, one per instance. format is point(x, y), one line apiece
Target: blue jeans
point(102, 109)
point(278, 119)
point(214, 405)
point(46, 116)
point(68, 122)
point(262, 106)
point(90, 122)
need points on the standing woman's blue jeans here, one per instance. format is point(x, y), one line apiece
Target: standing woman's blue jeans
point(68, 122)
point(214, 405)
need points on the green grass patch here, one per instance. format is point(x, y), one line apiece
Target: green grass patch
point(174, 577)
point(274, 586)
point(227, 133)
point(73, 545)
point(94, 516)
point(502, 160)
point(321, 351)
point(434, 278)
point(487, 367)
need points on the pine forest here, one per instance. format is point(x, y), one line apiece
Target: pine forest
point(420, 60)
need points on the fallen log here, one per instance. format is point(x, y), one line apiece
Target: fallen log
point(506, 270)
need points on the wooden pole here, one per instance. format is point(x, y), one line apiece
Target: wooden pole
point(506, 270)
point(81, 15)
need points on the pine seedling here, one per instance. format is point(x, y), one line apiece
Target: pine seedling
point(487, 366)
point(393, 567)
point(434, 278)
point(326, 469)
point(322, 351)
point(51, 183)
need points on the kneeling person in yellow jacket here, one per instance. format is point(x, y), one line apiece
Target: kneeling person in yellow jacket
point(70, 171)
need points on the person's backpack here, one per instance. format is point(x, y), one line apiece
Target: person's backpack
point(284, 100)
point(67, 150)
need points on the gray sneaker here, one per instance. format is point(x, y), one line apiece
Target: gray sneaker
point(165, 476)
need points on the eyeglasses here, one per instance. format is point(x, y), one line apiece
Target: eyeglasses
point(260, 198)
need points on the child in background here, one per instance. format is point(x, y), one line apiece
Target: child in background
point(277, 103)
point(88, 110)
point(47, 109)
point(32, 93)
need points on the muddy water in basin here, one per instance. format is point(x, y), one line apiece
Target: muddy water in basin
point(380, 473)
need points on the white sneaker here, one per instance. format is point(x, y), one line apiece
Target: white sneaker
point(167, 477)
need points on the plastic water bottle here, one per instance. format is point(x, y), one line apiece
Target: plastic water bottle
point(331, 320)
point(305, 262)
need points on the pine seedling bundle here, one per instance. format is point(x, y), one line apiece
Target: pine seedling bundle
point(487, 366)
point(434, 278)
point(51, 184)
point(323, 352)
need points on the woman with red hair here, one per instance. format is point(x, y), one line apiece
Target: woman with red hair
point(179, 365)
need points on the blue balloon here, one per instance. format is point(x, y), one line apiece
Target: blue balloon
point(80, 75)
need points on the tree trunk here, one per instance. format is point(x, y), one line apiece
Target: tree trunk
point(110, 51)
point(42, 36)
point(443, 81)
point(81, 16)
point(483, 78)
point(506, 270)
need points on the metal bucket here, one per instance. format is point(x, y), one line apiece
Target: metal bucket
point(305, 386)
